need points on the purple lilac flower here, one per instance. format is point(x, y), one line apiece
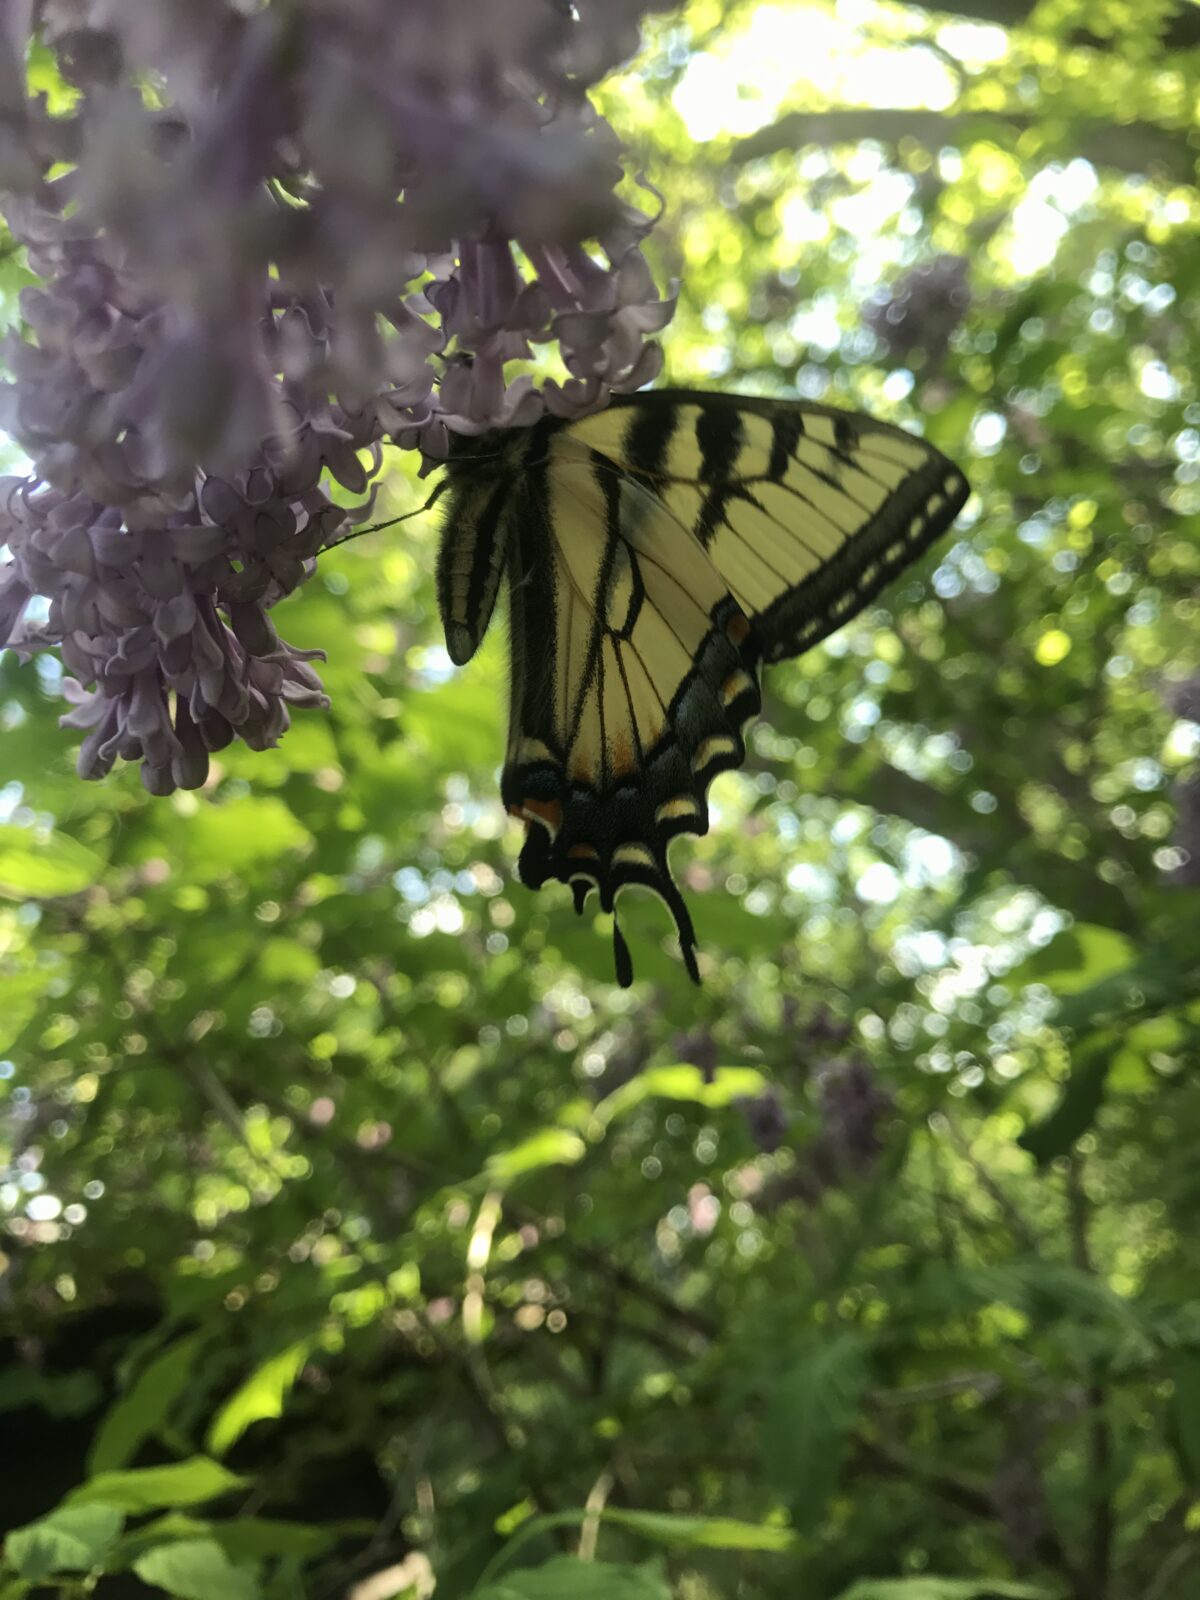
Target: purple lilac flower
point(922, 309)
point(699, 1049)
point(1186, 837)
point(269, 240)
point(766, 1119)
point(852, 1106)
point(1183, 697)
point(824, 1028)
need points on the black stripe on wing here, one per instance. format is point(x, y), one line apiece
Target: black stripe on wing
point(606, 835)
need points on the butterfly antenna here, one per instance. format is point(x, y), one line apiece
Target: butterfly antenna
point(379, 527)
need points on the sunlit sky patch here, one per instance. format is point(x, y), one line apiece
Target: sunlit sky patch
point(754, 73)
point(804, 56)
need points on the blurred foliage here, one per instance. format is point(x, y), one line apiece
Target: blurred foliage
point(359, 1231)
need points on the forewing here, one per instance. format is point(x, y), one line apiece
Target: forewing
point(806, 511)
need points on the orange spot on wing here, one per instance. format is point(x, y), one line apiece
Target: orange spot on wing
point(737, 628)
point(622, 755)
point(548, 813)
point(583, 852)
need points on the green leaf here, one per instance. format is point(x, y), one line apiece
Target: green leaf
point(927, 1588)
point(184, 1483)
point(144, 1409)
point(1045, 1291)
point(71, 1539)
point(551, 1147)
point(257, 1538)
point(1077, 1108)
point(248, 1539)
point(197, 1569)
point(262, 1395)
point(810, 1412)
point(1076, 959)
point(158, 1531)
point(682, 1083)
point(566, 1578)
point(287, 961)
point(714, 1533)
point(39, 866)
point(470, 704)
point(240, 836)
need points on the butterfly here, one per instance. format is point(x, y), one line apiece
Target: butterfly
point(658, 554)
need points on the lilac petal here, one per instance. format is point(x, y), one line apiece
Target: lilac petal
point(134, 651)
point(158, 780)
point(114, 547)
point(193, 545)
point(646, 368)
point(146, 718)
point(98, 751)
point(91, 707)
point(175, 618)
point(189, 768)
point(220, 503)
point(116, 608)
point(208, 663)
point(253, 629)
point(575, 398)
point(216, 732)
point(14, 597)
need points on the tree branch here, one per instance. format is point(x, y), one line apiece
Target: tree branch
point(1099, 1553)
point(1140, 147)
point(1181, 33)
point(965, 1492)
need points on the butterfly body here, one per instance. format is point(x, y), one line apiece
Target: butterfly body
point(657, 554)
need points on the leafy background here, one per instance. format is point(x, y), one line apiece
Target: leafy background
point(360, 1235)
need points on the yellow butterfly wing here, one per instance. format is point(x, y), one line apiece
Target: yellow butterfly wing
point(657, 553)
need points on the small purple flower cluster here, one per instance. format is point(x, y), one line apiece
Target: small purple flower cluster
point(852, 1104)
point(766, 1118)
point(852, 1107)
point(270, 239)
point(698, 1048)
point(921, 310)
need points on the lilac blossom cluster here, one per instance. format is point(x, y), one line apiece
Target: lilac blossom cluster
point(853, 1104)
point(921, 310)
point(852, 1108)
point(269, 239)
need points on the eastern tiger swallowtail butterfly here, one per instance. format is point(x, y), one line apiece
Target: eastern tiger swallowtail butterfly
point(658, 554)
